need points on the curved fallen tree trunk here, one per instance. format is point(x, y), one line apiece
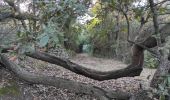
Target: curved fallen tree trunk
point(76, 87)
point(134, 69)
point(91, 73)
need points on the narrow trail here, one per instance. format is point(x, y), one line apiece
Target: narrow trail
point(102, 64)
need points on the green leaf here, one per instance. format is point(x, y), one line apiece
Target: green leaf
point(168, 80)
point(44, 40)
point(161, 87)
point(162, 97)
point(1, 50)
point(41, 36)
point(162, 10)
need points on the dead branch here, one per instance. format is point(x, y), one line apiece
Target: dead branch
point(21, 16)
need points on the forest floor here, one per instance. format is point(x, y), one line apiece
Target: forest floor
point(11, 88)
point(104, 64)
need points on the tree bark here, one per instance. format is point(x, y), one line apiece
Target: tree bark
point(155, 16)
point(164, 66)
point(162, 70)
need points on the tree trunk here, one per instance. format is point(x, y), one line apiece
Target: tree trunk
point(162, 70)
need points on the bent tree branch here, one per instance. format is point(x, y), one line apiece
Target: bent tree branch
point(5, 15)
point(91, 73)
point(134, 69)
point(63, 83)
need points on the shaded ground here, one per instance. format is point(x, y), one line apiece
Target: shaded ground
point(13, 89)
point(98, 63)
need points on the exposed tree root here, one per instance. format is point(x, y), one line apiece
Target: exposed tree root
point(76, 87)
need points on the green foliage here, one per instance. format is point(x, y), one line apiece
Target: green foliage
point(24, 36)
point(96, 9)
point(50, 34)
point(26, 48)
point(88, 48)
point(163, 87)
point(57, 23)
point(93, 23)
point(9, 90)
point(44, 40)
point(99, 29)
point(138, 12)
point(150, 61)
point(162, 10)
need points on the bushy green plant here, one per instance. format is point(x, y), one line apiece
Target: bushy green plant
point(50, 34)
point(150, 61)
point(163, 88)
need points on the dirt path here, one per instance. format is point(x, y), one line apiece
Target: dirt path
point(103, 64)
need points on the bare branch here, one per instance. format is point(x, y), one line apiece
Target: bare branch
point(10, 2)
point(156, 4)
point(155, 15)
point(6, 15)
point(164, 23)
point(164, 13)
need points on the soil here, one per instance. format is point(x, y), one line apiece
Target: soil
point(11, 88)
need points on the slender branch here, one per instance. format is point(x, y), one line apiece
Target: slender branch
point(159, 3)
point(5, 15)
point(164, 23)
point(146, 48)
point(10, 2)
point(142, 24)
point(21, 16)
point(165, 13)
point(24, 25)
point(155, 15)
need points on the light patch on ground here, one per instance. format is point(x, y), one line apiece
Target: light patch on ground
point(103, 64)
